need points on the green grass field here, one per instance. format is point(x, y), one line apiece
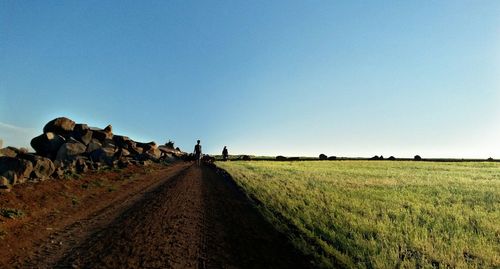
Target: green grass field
point(381, 214)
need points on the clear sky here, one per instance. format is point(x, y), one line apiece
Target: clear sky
point(345, 78)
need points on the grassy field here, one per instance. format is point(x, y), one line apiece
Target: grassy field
point(381, 214)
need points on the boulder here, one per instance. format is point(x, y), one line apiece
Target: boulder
point(323, 157)
point(108, 143)
point(108, 129)
point(103, 155)
point(147, 146)
point(281, 158)
point(84, 136)
point(121, 141)
point(58, 173)
point(61, 126)
point(81, 127)
point(135, 150)
point(101, 135)
point(70, 150)
point(93, 145)
point(168, 157)
point(81, 165)
point(5, 183)
point(331, 158)
point(123, 162)
point(155, 152)
point(47, 144)
point(43, 167)
point(14, 169)
point(9, 152)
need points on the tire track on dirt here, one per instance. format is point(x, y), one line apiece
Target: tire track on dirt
point(195, 219)
point(63, 241)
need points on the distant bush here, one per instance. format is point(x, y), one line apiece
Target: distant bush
point(323, 157)
point(417, 158)
point(392, 158)
point(170, 144)
point(490, 159)
point(332, 158)
point(281, 158)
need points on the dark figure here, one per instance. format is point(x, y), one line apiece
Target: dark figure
point(197, 152)
point(225, 154)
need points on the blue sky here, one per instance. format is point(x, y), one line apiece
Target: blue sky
point(345, 78)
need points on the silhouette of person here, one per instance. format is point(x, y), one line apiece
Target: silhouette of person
point(197, 152)
point(225, 154)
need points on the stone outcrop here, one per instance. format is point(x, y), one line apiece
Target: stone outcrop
point(69, 147)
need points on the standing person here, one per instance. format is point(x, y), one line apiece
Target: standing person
point(225, 154)
point(197, 152)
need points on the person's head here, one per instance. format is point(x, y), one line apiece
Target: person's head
point(198, 142)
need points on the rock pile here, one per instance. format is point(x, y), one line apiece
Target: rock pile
point(67, 147)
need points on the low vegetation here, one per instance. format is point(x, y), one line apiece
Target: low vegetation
point(11, 213)
point(376, 214)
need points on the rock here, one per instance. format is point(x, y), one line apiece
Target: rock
point(84, 136)
point(417, 158)
point(58, 173)
point(121, 141)
point(135, 150)
point(145, 156)
point(109, 143)
point(43, 167)
point(13, 168)
point(155, 152)
point(331, 158)
point(101, 135)
point(9, 152)
point(103, 155)
point(47, 144)
point(93, 145)
point(168, 157)
point(323, 157)
point(147, 146)
point(81, 127)
point(123, 162)
point(61, 126)
point(281, 158)
point(4, 183)
point(108, 129)
point(81, 165)
point(70, 150)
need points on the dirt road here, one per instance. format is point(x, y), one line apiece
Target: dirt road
point(190, 218)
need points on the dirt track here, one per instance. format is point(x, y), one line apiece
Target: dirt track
point(191, 218)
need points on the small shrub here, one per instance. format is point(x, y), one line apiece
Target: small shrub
point(11, 213)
